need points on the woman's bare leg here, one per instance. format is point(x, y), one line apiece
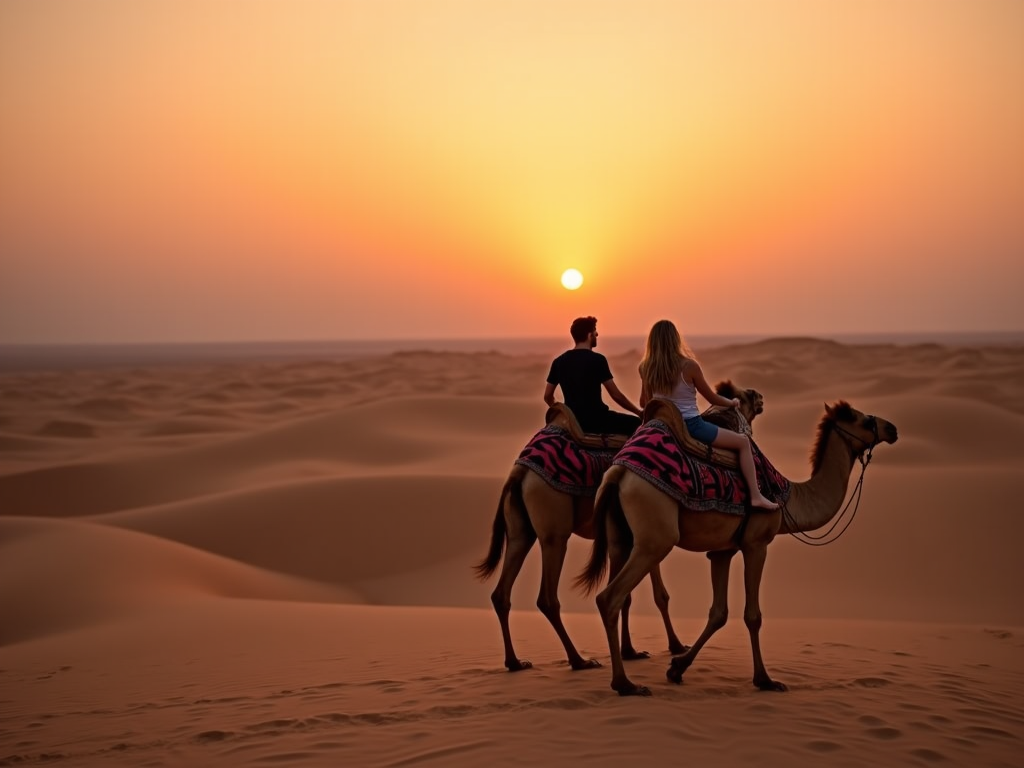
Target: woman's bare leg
point(740, 443)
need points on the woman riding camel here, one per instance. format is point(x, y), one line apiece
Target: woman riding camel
point(669, 370)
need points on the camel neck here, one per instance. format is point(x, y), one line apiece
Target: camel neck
point(814, 502)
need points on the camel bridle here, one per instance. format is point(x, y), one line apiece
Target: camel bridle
point(864, 457)
point(868, 446)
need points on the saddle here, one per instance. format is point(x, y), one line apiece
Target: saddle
point(560, 415)
point(665, 410)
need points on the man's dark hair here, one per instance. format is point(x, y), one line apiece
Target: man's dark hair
point(582, 327)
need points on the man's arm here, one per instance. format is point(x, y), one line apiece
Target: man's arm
point(549, 394)
point(645, 396)
point(616, 394)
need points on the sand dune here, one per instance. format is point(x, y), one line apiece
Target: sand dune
point(141, 574)
point(270, 563)
point(445, 434)
point(336, 530)
point(61, 428)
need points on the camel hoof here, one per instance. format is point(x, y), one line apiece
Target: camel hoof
point(518, 665)
point(585, 664)
point(633, 655)
point(675, 670)
point(771, 685)
point(634, 690)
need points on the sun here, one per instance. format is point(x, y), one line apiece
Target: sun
point(572, 279)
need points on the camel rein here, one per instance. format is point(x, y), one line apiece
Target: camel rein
point(864, 457)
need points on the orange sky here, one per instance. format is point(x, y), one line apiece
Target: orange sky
point(220, 170)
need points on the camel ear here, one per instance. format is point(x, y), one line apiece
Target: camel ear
point(828, 410)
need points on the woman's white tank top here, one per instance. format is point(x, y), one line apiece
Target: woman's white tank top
point(685, 398)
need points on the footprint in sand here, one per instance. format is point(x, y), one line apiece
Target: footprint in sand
point(1000, 634)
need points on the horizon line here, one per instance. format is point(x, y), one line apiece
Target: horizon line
point(749, 335)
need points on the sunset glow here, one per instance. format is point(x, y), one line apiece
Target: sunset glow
point(214, 170)
point(572, 279)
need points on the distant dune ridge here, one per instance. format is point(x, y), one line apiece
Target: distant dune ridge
point(247, 563)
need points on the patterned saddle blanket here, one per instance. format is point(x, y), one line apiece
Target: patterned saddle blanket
point(564, 463)
point(654, 453)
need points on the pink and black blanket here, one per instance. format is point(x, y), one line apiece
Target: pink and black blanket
point(565, 464)
point(654, 454)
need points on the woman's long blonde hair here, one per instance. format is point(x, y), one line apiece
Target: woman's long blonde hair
point(663, 359)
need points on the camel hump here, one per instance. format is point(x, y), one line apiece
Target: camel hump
point(665, 410)
point(560, 415)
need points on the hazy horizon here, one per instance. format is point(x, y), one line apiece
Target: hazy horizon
point(25, 357)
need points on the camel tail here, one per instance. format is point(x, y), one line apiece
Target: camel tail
point(606, 508)
point(499, 533)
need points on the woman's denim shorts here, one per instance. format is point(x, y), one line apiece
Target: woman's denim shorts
point(702, 430)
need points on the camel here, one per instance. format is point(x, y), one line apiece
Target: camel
point(530, 509)
point(637, 525)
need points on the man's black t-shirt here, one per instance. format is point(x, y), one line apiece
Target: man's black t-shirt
point(580, 373)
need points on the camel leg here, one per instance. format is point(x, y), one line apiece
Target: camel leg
point(661, 598)
point(629, 653)
point(617, 556)
point(717, 616)
point(661, 601)
point(520, 541)
point(552, 550)
point(610, 602)
point(753, 567)
point(651, 545)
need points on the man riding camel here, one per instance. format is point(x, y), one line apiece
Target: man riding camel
point(581, 372)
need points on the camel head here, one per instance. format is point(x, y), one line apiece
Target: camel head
point(751, 401)
point(859, 430)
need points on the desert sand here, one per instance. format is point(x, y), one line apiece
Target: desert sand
point(270, 564)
